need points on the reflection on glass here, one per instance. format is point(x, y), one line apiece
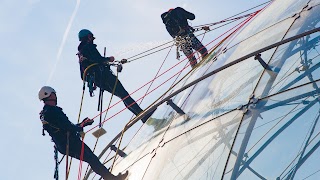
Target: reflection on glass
point(244, 122)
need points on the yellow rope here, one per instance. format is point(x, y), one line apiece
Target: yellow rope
point(81, 103)
point(114, 89)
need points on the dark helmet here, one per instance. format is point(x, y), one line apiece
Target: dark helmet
point(83, 33)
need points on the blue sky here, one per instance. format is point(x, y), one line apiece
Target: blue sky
point(39, 46)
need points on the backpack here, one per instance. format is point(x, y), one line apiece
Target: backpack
point(173, 22)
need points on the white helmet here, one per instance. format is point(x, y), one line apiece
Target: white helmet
point(45, 92)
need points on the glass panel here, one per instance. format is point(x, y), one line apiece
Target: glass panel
point(200, 153)
point(296, 62)
point(136, 167)
point(259, 40)
point(276, 129)
point(280, 10)
point(151, 132)
point(222, 92)
point(280, 133)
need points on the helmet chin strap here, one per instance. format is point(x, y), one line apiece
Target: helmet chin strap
point(49, 100)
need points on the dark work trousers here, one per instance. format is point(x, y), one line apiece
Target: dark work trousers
point(192, 42)
point(108, 81)
point(75, 145)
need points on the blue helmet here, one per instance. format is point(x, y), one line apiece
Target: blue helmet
point(83, 33)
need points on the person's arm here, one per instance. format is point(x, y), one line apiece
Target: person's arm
point(171, 32)
point(186, 14)
point(62, 121)
point(169, 29)
point(92, 54)
point(163, 17)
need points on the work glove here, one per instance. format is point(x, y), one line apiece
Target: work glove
point(119, 68)
point(111, 59)
point(82, 134)
point(123, 61)
point(206, 28)
point(86, 122)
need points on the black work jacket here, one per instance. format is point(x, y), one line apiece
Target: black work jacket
point(88, 55)
point(176, 21)
point(57, 124)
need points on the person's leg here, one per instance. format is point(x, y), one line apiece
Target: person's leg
point(198, 46)
point(130, 103)
point(187, 50)
point(95, 164)
point(89, 157)
point(122, 93)
point(75, 147)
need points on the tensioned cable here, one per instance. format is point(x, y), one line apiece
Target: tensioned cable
point(119, 145)
point(239, 60)
point(142, 98)
point(78, 120)
point(242, 24)
point(228, 65)
point(240, 12)
point(168, 91)
point(222, 21)
point(210, 24)
point(149, 89)
point(101, 124)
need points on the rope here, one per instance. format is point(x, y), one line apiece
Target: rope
point(244, 58)
point(151, 82)
point(81, 157)
point(145, 93)
point(198, 28)
point(122, 133)
point(212, 49)
point(67, 157)
point(114, 88)
point(166, 72)
point(243, 23)
point(212, 24)
point(56, 170)
point(81, 104)
point(186, 65)
point(174, 85)
point(142, 100)
point(149, 88)
point(113, 91)
point(229, 18)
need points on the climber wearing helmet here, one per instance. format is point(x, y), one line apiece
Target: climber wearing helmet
point(101, 73)
point(66, 135)
point(176, 22)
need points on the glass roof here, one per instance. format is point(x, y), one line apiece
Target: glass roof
point(245, 121)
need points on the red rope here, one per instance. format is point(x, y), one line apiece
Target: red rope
point(139, 88)
point(156, 76)
point(138, 99)
point(81, 158)
point(243, 22)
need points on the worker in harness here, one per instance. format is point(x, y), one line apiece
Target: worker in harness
point(66, 135)
point(101, 73)
point(176, 22)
